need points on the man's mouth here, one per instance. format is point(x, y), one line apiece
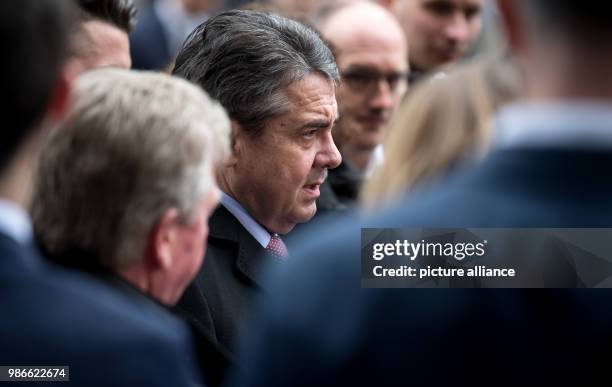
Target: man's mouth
point(452, 53)
point(313, 189)
point(313, 186)
point(374, 121)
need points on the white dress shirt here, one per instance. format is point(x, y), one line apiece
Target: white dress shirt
point(15, 222)
point(255, 229)
point(571, 123)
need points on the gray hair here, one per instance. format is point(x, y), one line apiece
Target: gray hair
point(134, 145)
point(245, 59)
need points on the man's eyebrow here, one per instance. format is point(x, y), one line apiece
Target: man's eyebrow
point(360, 68)
point(318, 124)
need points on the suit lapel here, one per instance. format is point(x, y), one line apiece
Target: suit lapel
point(251, 259)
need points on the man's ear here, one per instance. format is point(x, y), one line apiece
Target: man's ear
point(59, 97)
point(237, 143)
point(160, 250)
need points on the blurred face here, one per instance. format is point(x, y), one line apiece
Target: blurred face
point(374, 69)
point(103, 45)
point(199, 6)
point(439, 31)
point(276, 175)
point(189, 246)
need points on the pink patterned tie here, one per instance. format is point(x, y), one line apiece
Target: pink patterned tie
point(277, 247)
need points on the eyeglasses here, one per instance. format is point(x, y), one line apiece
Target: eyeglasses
point(367, 81)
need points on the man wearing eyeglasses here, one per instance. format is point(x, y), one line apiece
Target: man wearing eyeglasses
point(371, 53)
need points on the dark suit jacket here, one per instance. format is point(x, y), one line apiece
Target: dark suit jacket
point(55, 317)
point(320, 328)
point(211, 361)
point(148, 44)
point(218, 300)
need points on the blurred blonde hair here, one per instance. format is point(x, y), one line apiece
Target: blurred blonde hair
point(442, 120)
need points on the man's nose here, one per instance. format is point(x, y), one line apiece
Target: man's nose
point(382, 97)
point(457, 30)
point(328, 156)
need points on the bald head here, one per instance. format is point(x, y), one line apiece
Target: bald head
point(371, 53)
point(362, 22)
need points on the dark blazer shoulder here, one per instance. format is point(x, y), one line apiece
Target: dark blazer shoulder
point(16, 258)
point(56, 316)
point(148, 44)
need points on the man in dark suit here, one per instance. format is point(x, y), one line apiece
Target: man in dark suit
point(276, 79)
point(124, 208)
point(51, 317)
point(546, 168)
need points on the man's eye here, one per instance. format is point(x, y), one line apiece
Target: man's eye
point(309, 134)
point(360, 78)
point(441, 8)
point(472, 12)
point(394, 79)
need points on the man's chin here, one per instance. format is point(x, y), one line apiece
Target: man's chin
point(447, 57)
point(371, 136)
point(373, 127)
point(306, 213)
point(369, 144)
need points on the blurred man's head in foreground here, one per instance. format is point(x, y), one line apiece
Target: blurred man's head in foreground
point(128, 181)
point(32, 86)
point(564, 46)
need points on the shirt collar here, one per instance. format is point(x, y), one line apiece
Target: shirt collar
point(15, 222)
point(378, 158)
point(255, 229)
point(576, 123)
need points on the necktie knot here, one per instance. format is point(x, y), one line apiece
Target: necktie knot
point(277, 247)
